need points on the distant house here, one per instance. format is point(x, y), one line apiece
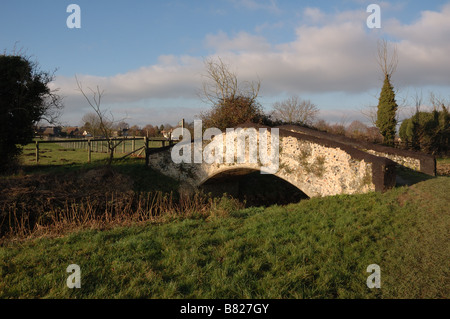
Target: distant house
point(167, 134)
point(120, 132)
point(71, 131)
point(39, 131)
point(49, 131)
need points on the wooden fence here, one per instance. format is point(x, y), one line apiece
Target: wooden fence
point(98, 145)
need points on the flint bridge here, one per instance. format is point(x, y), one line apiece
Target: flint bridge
point(317, 163)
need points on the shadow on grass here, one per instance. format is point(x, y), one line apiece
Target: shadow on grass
point(408, 177)
point(145, 179)
point(61, 168)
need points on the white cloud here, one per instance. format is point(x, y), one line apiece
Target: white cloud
point(314, 15)
point(331, 53)
point(171, 77)
point(423, 48)
point(242, 42)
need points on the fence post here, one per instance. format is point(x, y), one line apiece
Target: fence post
point(133, 144)
point(123, 145)
point(146, 151)
point(89, 150)
point(37, 152)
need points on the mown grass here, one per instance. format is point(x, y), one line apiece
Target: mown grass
point(53, 154)
point(318, 248)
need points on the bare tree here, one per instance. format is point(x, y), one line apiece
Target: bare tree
point(356, 129)
point(122, 127)
point(104, 117)
point(91, 124)
point(222, 84)
point(370, 113)
point(233, 102)
point(387, 58)
point(437, 101)
point(295, 111)
point(418, 101)
point(322, 125)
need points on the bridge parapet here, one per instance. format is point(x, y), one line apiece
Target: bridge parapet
point(414, 160)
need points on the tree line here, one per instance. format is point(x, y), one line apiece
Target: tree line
point(428, 131)
point(90, 124)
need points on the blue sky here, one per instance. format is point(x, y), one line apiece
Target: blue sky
point(148, 55)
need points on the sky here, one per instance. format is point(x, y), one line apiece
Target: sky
point(148, 56)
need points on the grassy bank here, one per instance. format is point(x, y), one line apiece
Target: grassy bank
point(318, 248)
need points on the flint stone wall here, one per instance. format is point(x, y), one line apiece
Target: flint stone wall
point(414, 160)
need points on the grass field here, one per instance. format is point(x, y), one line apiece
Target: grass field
point(61, 154)
point(318, 248)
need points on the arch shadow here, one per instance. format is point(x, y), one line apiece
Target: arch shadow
point(254, 188)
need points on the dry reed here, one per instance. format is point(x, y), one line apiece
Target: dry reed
point(19, 221)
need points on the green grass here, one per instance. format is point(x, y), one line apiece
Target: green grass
point(318, 248)
point(55, 158)
point(407, 176)
point(53, 154)
point(59, 158)
point(443, 160)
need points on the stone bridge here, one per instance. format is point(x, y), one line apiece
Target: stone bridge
point(317, 163)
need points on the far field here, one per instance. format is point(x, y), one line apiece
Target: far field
point(65, 154)
point(317, 248)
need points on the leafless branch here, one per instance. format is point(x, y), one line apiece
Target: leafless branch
point(387, 57)
point(295, 111)
point(105, 123)
point(222, 83)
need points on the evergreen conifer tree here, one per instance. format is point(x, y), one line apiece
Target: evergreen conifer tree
point(387, 110)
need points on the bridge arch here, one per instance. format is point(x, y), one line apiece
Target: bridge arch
point(243, 169)
point(253, 188)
